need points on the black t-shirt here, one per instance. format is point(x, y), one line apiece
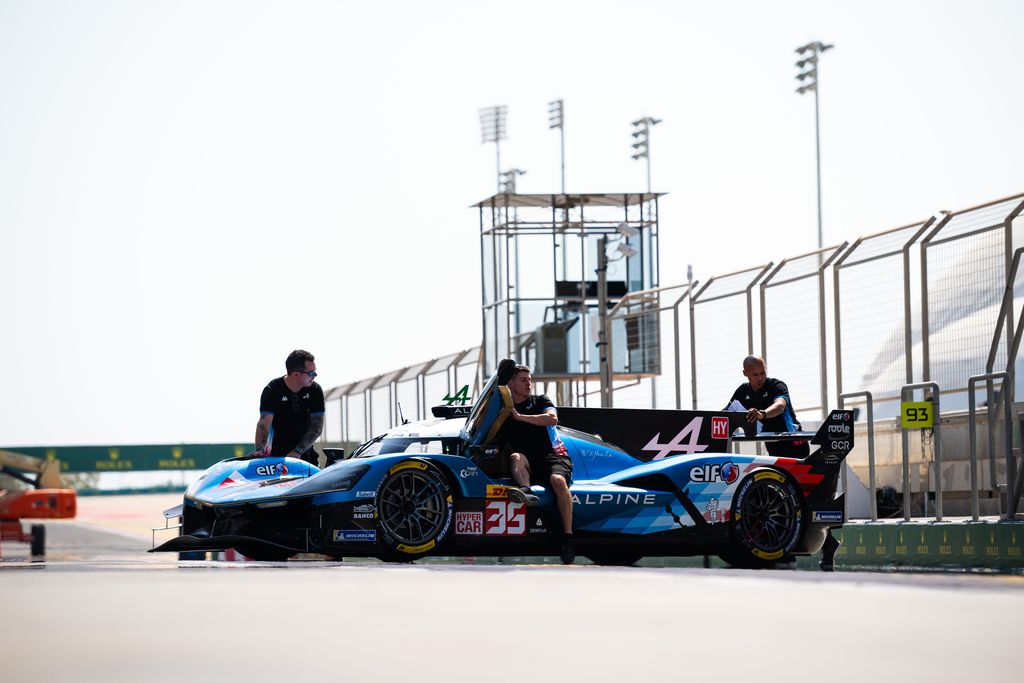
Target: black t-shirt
point(772, 389)
point(291, 412)
point(530, 440)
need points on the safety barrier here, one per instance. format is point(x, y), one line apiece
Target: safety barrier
point(871, 447)
point(937, 440)
point(1008, 428)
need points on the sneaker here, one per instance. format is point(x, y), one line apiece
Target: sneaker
point(568, 550)
point(522, 494)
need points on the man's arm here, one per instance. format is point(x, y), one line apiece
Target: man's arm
point(777, 407)
point(549, 418)
point(263, 431)
point(316, 426)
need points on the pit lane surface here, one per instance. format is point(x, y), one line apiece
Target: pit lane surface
point(100, 608)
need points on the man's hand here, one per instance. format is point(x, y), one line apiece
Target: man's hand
point(753, 415)
point(258, 453)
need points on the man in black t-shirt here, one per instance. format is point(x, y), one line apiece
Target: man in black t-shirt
point(767, 399)
point(537, 453)
point(291, 411)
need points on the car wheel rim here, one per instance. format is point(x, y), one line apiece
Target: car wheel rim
point(412, 507)
point(768, 517)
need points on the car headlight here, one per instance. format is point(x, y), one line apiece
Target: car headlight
point(341, 477)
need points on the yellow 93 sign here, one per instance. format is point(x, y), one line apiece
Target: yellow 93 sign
point(917, 415)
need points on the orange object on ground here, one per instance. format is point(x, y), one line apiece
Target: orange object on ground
point(38, 504)
point(33, 504)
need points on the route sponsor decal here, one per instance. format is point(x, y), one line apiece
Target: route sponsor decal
point(497, 491)
point(365, 511)
point(341, 535)
point(713, 515)
point(719, 427)
point(708, 473)
point(365, 494)
point(467, 472)
point(828, 516)
point(272, 470)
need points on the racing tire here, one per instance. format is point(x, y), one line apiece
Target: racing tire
point(767, 520)
point(414, 510)
point(38, 545)
point(615, 559)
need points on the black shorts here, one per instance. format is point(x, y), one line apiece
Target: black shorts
point(543, 467)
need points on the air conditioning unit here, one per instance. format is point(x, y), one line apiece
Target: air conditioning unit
point(552, 348)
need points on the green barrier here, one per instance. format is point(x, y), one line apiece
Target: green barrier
point(967, 545)
point(146, 458)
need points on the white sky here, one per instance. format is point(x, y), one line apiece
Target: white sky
point(189, 190)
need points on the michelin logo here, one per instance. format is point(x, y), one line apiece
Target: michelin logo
point(346, 535)
point(828, 516)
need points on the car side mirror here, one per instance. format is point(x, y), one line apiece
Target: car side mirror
point(333, 455)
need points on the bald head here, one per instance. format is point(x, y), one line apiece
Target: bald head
point(755, 372)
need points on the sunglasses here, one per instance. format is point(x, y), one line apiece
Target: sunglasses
point(311, 373)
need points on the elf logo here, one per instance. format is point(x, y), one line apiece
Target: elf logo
point(707, 473)
point(271, 470)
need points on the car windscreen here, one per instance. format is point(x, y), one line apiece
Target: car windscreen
point(411, 445)
point(476, 416)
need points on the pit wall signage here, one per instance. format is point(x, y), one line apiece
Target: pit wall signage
point(917, 415)
point(136, 458)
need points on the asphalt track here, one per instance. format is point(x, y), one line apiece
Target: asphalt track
point(100, 608)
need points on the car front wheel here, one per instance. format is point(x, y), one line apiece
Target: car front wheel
point(414, 508)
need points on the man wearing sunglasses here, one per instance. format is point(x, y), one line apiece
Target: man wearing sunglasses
point(291, 411)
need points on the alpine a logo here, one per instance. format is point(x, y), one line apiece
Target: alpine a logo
point(686, 441)
point(727, 472)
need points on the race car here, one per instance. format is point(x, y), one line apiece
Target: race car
point(645, 483)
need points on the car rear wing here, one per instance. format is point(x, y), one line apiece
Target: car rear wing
point(834, 438)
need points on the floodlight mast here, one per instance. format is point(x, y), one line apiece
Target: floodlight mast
point(642, 145)
point(507, 180)
point(605, 364)
point(492, 129)
point(556, 119)
point(809, 82)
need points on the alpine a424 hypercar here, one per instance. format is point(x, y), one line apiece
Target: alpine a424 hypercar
point(645, 483)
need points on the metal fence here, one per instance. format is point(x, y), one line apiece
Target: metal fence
point(916, 302)
point(358, 410)
point(965, 259)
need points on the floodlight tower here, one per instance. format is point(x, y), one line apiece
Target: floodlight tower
point(507, 180)
point(642, 134)
point(809, 82)
point(492, 129)
point(556, 119)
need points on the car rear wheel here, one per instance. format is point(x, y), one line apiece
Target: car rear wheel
point(414, 508)
point(767, 520)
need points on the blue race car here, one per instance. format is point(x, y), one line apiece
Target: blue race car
point(646, 483)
